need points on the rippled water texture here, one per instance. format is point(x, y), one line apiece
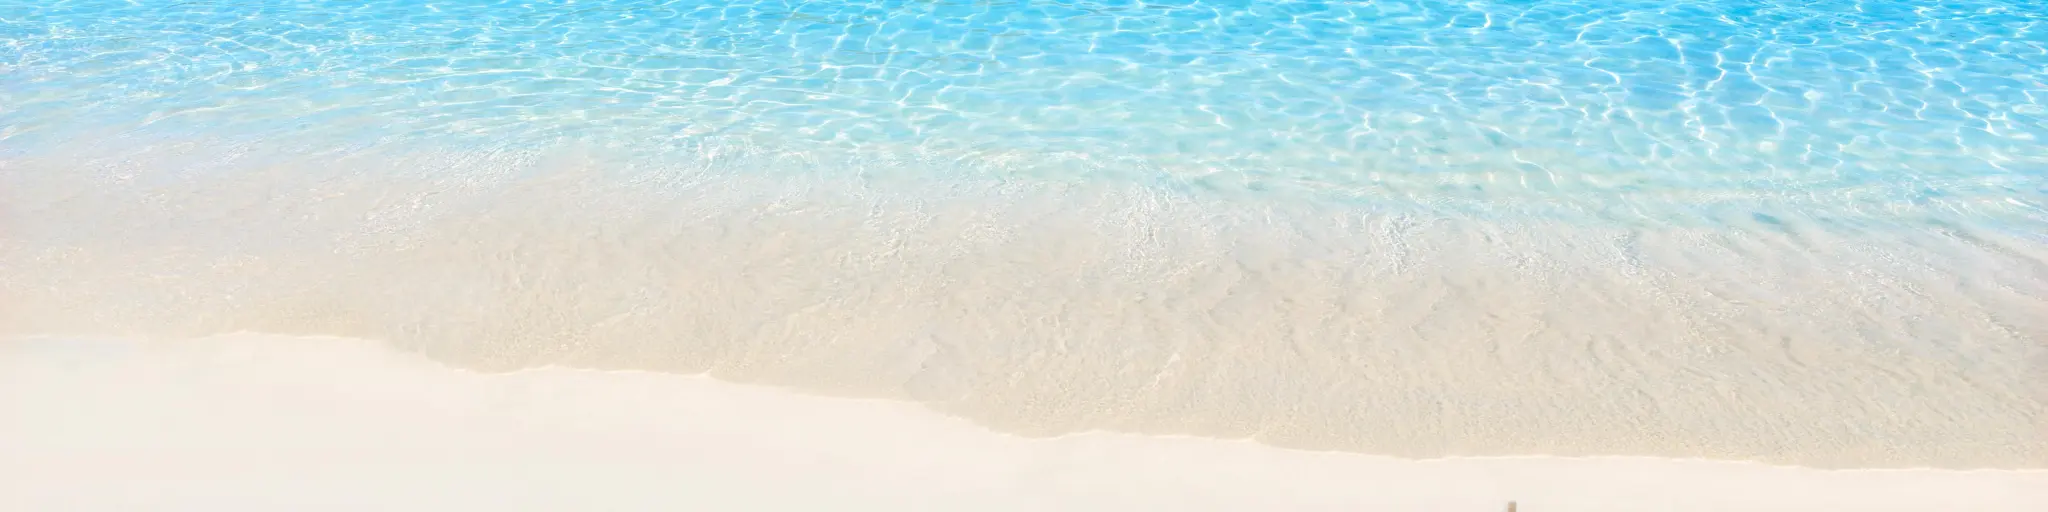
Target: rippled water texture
point(1803, 232)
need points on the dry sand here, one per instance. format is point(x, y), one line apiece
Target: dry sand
point(248, 422)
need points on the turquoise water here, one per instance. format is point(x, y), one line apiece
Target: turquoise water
point(1802, 232)
point(1826, 108)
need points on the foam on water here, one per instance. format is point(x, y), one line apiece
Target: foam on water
point(1798, 233)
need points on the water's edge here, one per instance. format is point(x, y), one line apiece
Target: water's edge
point(1043, 308)
point(259, 349)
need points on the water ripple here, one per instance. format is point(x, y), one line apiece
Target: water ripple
point(1848, 108)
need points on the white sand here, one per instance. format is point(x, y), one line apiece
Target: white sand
point(1041, 307)
point(269, 423)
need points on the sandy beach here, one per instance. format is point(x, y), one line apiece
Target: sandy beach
point(1075, 255)
point(251, 422)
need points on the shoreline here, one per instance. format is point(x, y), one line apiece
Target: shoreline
point(1043, 308)
point(236, 420)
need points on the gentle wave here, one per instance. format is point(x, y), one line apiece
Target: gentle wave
point(1040, 307)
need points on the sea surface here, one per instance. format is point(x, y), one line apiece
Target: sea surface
point(1809, 233)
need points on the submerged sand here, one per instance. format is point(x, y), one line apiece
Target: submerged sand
point(1039, 306)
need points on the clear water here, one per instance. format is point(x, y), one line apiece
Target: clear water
point(1411, 227)
point(1842, 107)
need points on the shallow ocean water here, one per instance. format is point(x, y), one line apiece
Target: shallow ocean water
point(1796, 232)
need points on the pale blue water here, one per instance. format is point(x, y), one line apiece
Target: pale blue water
point(1808, 108)
point(1799, 232)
